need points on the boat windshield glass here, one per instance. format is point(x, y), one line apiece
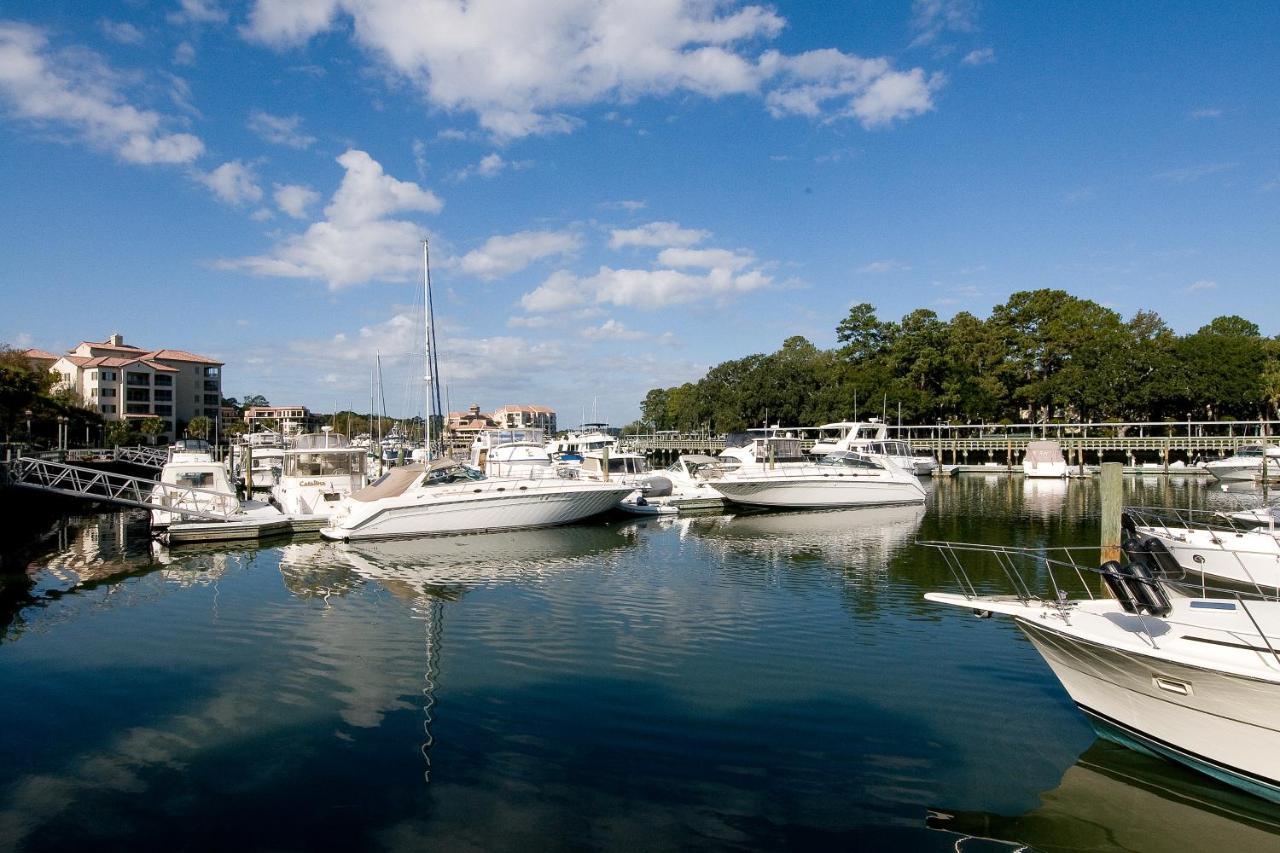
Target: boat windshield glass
point(443, 474)
point(195, 479)
point(844, 459)
point(334, 463)
point(1249, 451)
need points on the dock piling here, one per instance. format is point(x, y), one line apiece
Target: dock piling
point(1112, 480)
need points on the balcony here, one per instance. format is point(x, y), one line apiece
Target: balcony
point(138, 395)
point(211, 399)
point(166, 396)
point(165, 380)
point(211, 386)
point(212, 372)
point(164, 411)
point(138, 379)
point(138, 409)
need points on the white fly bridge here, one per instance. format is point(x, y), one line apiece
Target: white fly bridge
point(91, 484)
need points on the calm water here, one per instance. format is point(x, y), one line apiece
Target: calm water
point(725, 681)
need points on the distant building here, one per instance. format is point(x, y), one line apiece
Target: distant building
point(515, 416)
point(126, 382)
point(285, 419)
point(461, 427)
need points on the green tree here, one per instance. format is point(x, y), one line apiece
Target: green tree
point(200, 427)
point(118, 433)
point(152, 427)
point(255, 400)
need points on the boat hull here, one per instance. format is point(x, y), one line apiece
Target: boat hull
point(1225, 725)
point(435, 515)
point(810, 493)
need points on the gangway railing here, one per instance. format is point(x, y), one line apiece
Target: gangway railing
point(92, 484)
point(147, 457)
point(150, 457)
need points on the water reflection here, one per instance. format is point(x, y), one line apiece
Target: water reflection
point(1113, 798)
point(1044, 497)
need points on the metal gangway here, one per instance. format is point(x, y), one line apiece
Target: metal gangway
point(147, 457)
point(90, 484)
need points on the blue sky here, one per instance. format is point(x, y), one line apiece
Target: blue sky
point(618, 194)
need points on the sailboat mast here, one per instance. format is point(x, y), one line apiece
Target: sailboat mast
point(432, 366)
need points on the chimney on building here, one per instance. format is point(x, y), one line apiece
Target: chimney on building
point(116, 339)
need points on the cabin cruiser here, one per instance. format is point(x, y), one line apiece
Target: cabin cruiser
point(1246, 464)
point(1044, 459)
point(1167, 670)
point(515, 453)
point(319, 470)
point(193, 486)
point(691, 477)
point(589, 438)
point(445, 496)
point(1220, 545)
point(773, 472)
point(265, 454)
point(871, 438)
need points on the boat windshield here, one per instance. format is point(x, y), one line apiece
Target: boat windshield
point(194, 479)
point(439, 475)
point(333, 463)
point(1249, 451)
point(844, 459)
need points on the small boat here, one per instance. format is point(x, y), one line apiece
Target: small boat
point(1188, 674)
point(194, 493)
point(319, 470)
point(1044, 459)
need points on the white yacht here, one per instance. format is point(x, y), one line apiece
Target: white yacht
point(265, 454)
point(319, 470)
point(1214, 544)
point(513, 453)
point(1044, 459)
point(445, 497)
point(773, 472)
point(691, 477)
point(871, 438)
point(588, 438)
point(1190, 678)
point(1246, 464)
point(192, 481)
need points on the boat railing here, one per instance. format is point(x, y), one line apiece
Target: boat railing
point(1044, 575)
point(1174, 520)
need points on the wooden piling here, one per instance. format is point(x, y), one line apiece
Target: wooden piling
point(604, 463)
point(248, 470)
point(1112, 480)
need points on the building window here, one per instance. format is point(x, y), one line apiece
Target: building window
point(212, 371)
point(210, 385)
point(108, 409)
point(211, 414)
point(106, 392)
point(106, 376)
point(138, 409)
point(137, 378)
point(161, 394)
point(211, 399)
point(166, 381)
point(164, 411)
point(137, 395)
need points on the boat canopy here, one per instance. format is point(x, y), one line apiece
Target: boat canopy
point(391, 484)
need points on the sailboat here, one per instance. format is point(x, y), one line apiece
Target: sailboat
point(441, 496)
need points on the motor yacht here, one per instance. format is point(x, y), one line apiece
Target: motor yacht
point(1246, 464)
point(1044, 459)
point(444, 497)
point(871, 438)
point(194, 486)
point(514, 453)
point(319, 470)
point(773, 472)
point(588, 438)
point(1189, 676)
point(1219, 545)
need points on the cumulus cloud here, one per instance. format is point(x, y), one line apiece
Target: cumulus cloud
point(295, 199)
point(517, 64)
point(358, 240)
point(502, 255)
point(982, 56)
point(280, 130)
point(490, 166)
point(930, 19)
point(77, 91)
point(120, 32)
point(704, 259)
point(233, 182)
point(656, 234)
point(645, 289)
point(612, 330)
point(198, 12)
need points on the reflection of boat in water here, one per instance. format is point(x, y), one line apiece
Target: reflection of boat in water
point(1114, 798)
point(1044, 497)
point(479, 559)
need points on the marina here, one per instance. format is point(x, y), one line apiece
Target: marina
point(722, 680)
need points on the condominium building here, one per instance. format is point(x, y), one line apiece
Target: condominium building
point(127, 382)
point(517, 416)
point(285, 419)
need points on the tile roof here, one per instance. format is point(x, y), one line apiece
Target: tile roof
point(181, 355)
point(43, 355)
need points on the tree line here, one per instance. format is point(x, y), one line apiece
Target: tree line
point(1041, 355)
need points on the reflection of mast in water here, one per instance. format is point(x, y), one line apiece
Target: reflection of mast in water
point(433, 615)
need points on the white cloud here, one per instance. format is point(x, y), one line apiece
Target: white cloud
point(517, 64)
point(184, 54)
point(1207, 112)
point(644, 289)
point(883, 266)
point(528, 322)
point(120, 32)
point(280, 130)
point(982, 56)
point(198, 12)
point(294, 199)
point(490, 165)
point(1202, 284)
point(357, 241)
point(704, 259)
point(612, 330)
point(931, 18)
point(656, 234)
point(75, 89)
point(822, 82)
point(502, 255)
point(1193, 173)
point(627, 204)
point(233, 182)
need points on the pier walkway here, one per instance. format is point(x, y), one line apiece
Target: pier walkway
point(1160, 442)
